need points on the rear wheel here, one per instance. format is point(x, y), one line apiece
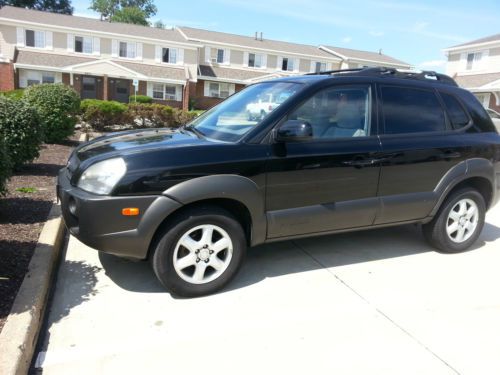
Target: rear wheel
point(199, 253)
point(458, 223)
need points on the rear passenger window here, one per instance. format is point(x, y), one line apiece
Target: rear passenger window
point(409, 110)
point(456, 112)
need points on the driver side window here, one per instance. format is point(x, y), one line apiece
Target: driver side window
point(339, 112)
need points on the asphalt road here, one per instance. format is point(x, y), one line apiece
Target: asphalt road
point(377, 302)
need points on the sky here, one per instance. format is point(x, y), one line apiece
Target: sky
point(412, 31)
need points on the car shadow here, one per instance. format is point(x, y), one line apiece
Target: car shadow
point(302, 255)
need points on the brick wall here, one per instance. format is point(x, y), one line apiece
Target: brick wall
point(493, 103)
point(7, 77)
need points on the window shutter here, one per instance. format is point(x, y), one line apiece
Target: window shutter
point(96, 46)
point(158, 53)
point(296, 65)
point(180, 56)
point(313, 66)
point(178, 93)
point(150, 89)
point(329, 66)
point(279, 64)
point(484, 59)
point(264, 61)
point(70, 43)
point(114, 48)
point(245, 59)
point(232, 87)
point(207, 54)
point(138, 51)
point(227, 56)
point(48, 40)
point(206, 89)
point(20, 37)
point(23, 81)
point(463, 61)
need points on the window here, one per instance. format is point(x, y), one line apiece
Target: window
point(255, 60)
point(83, 44)
point(163, 91)
point(338, 112)
point(410, 110)
point(127, 50)
point(220, 56)
point(320, 67)
point(458, 116)
point(219, 89)
point(88, 84)
point(169, 55)
point(287, 64)
point(35, 38)
point(473, 59)
point(36, 77)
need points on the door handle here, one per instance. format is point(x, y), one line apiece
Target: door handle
point(449, 155)
point(360, 162)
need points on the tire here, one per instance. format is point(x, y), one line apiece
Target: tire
point(184, 237)
point(436, 231)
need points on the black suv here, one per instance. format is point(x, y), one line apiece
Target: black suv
point(334, 151)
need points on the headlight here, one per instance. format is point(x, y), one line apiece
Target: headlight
point(102, 177)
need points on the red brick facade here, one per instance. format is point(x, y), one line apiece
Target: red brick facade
point(204, 102)
point(493, 103)
point(7, 77)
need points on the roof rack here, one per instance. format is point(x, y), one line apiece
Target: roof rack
point(423, 75)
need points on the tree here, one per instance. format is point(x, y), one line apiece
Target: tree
point(159, 24)
point(55, 6)
point(130, 15)
point(108, 8)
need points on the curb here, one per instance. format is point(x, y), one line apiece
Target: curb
point(19, 335)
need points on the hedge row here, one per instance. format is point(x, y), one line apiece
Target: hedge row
point(101, 114)
point(27, 119)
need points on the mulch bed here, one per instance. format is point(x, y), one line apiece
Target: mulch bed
point(23, 212)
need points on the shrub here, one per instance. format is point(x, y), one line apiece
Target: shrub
point(13, 94)
point(151, 115)
point(5, 166)
point(180, 117)
point(57, 106)
point(141, 99)
point(21, 130)
point(102, 113)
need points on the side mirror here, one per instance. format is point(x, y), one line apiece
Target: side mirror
point(294, 131)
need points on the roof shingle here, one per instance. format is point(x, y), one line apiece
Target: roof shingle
point(366, 55)
point(91, 24)
point(476, 80)
point(486, 39)
point(229, 73)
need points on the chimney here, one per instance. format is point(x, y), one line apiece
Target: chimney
point(380, 51)
point(261, 36)
point(256, 35)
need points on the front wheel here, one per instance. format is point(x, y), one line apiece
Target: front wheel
point(458, 223)
point(199, 253)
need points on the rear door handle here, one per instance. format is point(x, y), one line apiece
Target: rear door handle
point(360, 162)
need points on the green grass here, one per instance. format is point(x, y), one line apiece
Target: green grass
point(28, 190)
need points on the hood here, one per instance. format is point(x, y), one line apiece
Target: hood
point(136, 141)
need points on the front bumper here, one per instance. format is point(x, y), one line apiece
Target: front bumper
point(97, 220)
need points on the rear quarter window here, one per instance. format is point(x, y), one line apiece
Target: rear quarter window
point(458, 117)
point(411, 110)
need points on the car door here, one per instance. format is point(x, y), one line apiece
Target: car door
point(330, 181)
point(419, 148)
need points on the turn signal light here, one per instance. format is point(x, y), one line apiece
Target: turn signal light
point(130, 211)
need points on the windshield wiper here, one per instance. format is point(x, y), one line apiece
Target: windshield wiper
point(192, 129)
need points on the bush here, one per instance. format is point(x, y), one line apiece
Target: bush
point(21, 130)
point(5, 166)
point(102, 113)
point(151, 115)
point(143, 99)
point(13, 94)
point(57, 106)
point(180, 117)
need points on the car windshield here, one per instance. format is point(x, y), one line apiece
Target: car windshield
point(242, 112)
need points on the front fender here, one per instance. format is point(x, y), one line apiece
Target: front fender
point(238, 188)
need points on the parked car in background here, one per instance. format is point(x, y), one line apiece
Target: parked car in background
point(265, 104)
point(495, 116)
point(344, 150)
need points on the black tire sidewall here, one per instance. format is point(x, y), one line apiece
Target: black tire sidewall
point(437, 230)
point(163, 255)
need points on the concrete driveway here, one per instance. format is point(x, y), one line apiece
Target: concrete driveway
point(373, 302)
